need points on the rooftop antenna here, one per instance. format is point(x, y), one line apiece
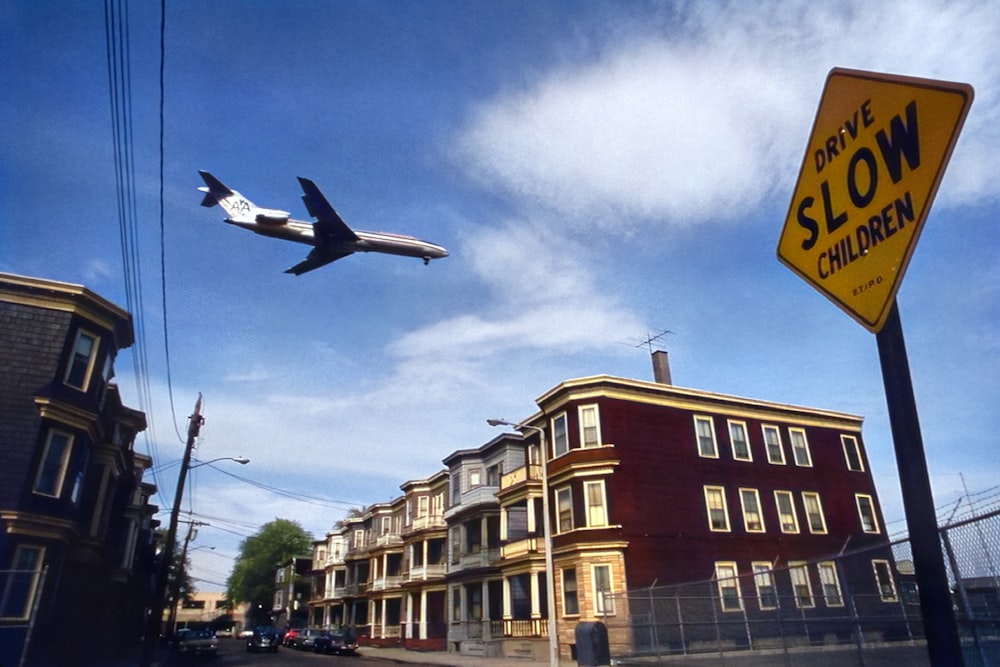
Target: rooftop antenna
point(648, 340)
point(661, 364)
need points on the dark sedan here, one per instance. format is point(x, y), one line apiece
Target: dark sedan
point(341, 642)
point(264, 638)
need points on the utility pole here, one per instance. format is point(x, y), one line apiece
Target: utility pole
point(181, 568)
point(195, 422)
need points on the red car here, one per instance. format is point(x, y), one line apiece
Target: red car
point(291, 634)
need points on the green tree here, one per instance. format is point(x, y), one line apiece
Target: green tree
point(252, 578)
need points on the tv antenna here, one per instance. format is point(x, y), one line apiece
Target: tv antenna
point(649, 340)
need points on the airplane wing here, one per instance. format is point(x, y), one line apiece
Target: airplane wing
point(317, 258)
point(329, 227)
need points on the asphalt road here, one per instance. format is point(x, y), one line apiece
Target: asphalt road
point(233, 653)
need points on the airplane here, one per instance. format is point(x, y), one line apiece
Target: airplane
point(331, 237)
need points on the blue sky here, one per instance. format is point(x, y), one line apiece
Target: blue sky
point(599, 171)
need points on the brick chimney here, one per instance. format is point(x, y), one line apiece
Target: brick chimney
point(661, 367)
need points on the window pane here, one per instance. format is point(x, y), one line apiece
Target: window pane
point(79, 363)
point(883, 579)
point(602, 588)
point(767, 595)
point(588, 426)
point(53, 465)
point(772, 441)
point(831, 585)
point(571, 604)
point(715, 503)
point(752, 521)
point(729, 586)
point(738, 436)
point(20, 584)
point(560, 442)
point(786, 512)
point(800, 447)
point(866, 512)
point(596, 514)
point(564, 508)
point(814, 512)
point(706, 437)
point(852, 453)
point(801, 586)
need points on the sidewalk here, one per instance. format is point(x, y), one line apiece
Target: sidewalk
point(445, 659)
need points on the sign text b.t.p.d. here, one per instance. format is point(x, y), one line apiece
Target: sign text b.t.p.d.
point(877, 152)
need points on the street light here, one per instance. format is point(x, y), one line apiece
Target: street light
point(550, 583)
point(242, 460)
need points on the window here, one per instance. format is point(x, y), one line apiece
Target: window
point(571, 603)
point(831, 584)
point(801, 586)
point(704, 429)
point(386, 525)
point(866, 512)
point(564, 509)
point(456, 489)
point(800, 447)
point(814, 512)
point(604, 603)
point(422, 506)
point(590, 432)
point(493, 474)
point(21, 583)
point(786, 512)
point(772, 443)
point(597, 514)
point(81, 361)
point(715, 503)
point(753, 522)
point(456, 604)
point(763, 579)
point(883, 580)
point(52, 469)
point(475, 478)
point(852, 453)
point(738, 438)
point(729, 587)
point(560, 440)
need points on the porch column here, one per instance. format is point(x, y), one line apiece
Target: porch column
point(409, 616)
point(532, 519)
point(503, 524)
point(485, 618)
point(424, 544)
point(536, 601)
point(423, 614)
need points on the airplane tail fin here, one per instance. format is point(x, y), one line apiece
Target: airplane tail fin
point(239, 208)
point(215, 192)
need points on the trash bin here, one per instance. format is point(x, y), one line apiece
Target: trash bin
point(592, 648)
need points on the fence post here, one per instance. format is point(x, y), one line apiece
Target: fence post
point(652, 622)
point(962, 595)
point(680, 621)
point(852, 604)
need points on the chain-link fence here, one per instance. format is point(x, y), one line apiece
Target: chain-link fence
point(855, 608)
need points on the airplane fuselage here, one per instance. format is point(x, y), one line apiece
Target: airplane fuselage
point(384, 242)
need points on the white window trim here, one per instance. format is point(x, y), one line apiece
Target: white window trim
point(792, 432)
point(725, 508)
point(830, 568)
point(597, 425)
point(819, 509)
point(603, 605)
point(852, 442)
point(572, 520)
point(552, 424)
point(892, 597)
point(29, 601)
point(871, 505)
point(90, 361)
point(794, 512)
point(63, 464)
point(603, 503)
point(760, 511)
point(763, 574)
point(802, 567)
point(731, 580)
point(764, 428)
point(697, 436)
point(562, 591)
point(746, 438)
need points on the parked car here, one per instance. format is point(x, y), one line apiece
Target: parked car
point(224, 632)
point(264, 638)
point(341, 642)
point(304, 639)
point(289, 637)
point(197, 642)
point(246, 634)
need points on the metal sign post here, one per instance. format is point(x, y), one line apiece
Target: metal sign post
point(943, 645)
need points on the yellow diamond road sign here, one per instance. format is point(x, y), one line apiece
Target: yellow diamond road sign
point(876, 155)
